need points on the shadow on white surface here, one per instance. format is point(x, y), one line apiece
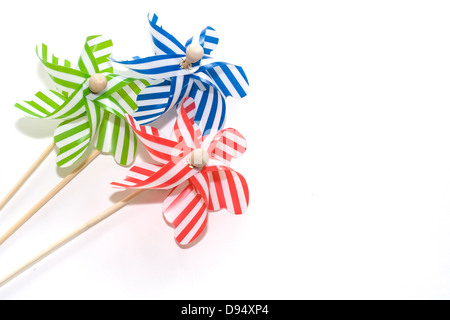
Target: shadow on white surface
point(36, 128)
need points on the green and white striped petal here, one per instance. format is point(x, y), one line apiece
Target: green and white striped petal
point(95, 115)
point(67, 80)
point(109, 106)
point(72, 107)
point(116, 136)
point(72, 137)
point(95, 55)
point(123, 101)
point(127, 95)
point(115, 83)
point(43, 105)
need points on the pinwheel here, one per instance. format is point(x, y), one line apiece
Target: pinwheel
point(93, 102)
point(197, 170)
point(187, 70)
point(92, 99)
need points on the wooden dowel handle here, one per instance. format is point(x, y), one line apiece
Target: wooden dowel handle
point(26, 175)
point(47, 197)
point(72, 235)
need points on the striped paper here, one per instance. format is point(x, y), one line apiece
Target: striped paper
point(88, 118)
point(209, 82)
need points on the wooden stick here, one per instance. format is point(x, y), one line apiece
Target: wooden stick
point(26, 175)
point(97, 219)
point(47, 197)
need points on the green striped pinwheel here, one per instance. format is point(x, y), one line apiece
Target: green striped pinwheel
point(92, 101)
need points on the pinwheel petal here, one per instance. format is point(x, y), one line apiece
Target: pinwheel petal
point(94, 57)
point(227, 145)
point(168, 176)
point(66, 79)
point(43, 105)
point(231, 80)
point(157, 67)
point(227, 190)
point(125, 97)
point(109, 105)
point(187, 211)
point(73, 106)
point(154, 101)
point(201, 183)
point(115, 136)
point(185, 129)
point(160, 149)
point(72, 137)
point(208, 39)
point(95, 114)
point(115, 84)
point(163, 41)
point(211, 108)
point(137, 176)
point(171, 175)
point(121, 101)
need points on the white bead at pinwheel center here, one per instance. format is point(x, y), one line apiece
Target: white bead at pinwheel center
point(199, 158)
point(194, 53)
point(97, 83)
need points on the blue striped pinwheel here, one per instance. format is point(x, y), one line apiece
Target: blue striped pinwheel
point(92, 100)
point(187, 70)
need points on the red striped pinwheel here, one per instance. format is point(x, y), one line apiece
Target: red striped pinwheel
point(195, 167)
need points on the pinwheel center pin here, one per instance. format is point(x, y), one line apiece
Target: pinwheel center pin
point(198, 158)
point(97, 83)
point(194, 53)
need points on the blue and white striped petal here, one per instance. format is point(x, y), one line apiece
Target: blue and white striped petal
point(211, 109)
point(156, 100)
point(152, 103)
point(163, 41)
point(157, 67)
point(231, 80)
point(208, 39)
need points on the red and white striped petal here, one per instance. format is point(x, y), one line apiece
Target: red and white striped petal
point(185, 128)
point(187, 211)
point(201, 183)
point(227, 144)
point(160, 149)
point(137, 176)
point(189, 106)
point(227, 190)
point(167, 176)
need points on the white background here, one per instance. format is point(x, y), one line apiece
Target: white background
point(348, 127)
